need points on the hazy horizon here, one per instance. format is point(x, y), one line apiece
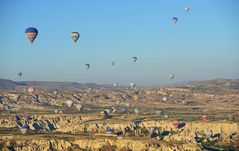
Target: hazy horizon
point(202, 45)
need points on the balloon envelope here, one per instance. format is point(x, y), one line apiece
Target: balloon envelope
point(19, 74)
point(175, 20)
point(31, 33)
point(69, 103)
point(115, 84)
point(176, 123)
point(30, 89)
point(87, 66)
point(132, 85)
point(204, 117)
point(171, 76)
point(187, 9)
point(134, 59)
point(79, 107)
point(75, 36)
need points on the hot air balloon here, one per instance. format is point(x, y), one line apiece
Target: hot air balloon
point(176, 123)
point(55, 92)
point(158, 112)
point(56, 111)
point(31, 33)
point(19, 74)
point(104, 114)
point(112, 63)
point(175, 20)
point(204, 117)
point(115, 84)
point(132, 85)
point(136, 111)
point(165, 98)
point(165, 116)
point(134, 59)
point(69, 103)
point(171, 76)
point(87, 66)
point(75, 36)
point(24, 129)
point(109, 131)
point(79, 107)
point(30, 89)
point(187, 9)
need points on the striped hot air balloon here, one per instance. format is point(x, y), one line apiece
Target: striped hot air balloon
point(31, 33)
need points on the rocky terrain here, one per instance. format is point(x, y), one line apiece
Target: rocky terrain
point(73, 116)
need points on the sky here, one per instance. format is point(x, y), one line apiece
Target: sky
point(202, 45)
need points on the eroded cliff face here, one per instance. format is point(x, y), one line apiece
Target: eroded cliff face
point(88, 132)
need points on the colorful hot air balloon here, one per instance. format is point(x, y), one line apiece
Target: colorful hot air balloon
point(30, 89)
point(31, 33)
point(204, 117)
point(176, 123)
point(75, 36)
point(175, 20)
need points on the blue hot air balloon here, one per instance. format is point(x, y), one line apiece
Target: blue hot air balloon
point(175, 20)
point(31, 33)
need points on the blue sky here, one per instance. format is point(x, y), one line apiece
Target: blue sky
point(204, 44)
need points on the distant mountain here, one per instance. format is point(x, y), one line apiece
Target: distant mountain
point(6, 84)
point(45, 85)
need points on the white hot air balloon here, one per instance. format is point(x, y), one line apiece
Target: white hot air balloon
point(136, 111)
point(115, 84)
point(165, 116)
point(158, 112)
point(132, 85)
point(187, 9)
point(69, 103)
point(79, 107)
point(165, 98)
point(55, 92)
point(171, 76)
point(55, 111)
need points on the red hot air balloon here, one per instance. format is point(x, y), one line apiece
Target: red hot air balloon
point(31, 33)
point(176, 123)
point(204, 117)
point(30, 89)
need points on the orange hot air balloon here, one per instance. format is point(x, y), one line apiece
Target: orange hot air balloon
point(176, 123)
point(30, 89)
point(204, 117)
